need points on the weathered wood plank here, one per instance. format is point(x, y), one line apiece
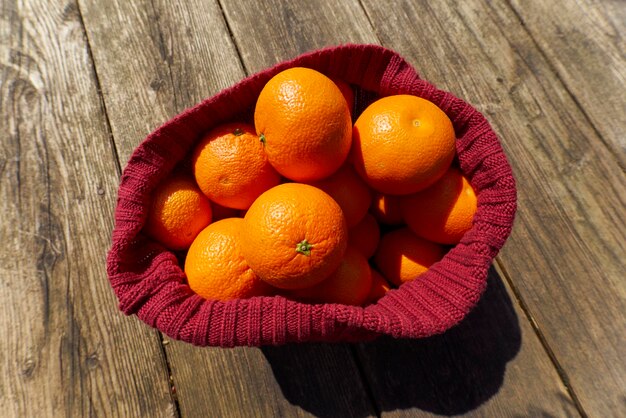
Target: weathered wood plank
point(154, 59)
point(584, 41)
point(565, 256)
point(335, 23)
point(66, 349)
point(492, 356)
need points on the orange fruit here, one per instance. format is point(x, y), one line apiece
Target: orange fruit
point(387, 209)
point(304, 122)
point(295, 236)
point(402, 256)
point(222, 212)
point(347, 93)
point(349, 191)
point(231, 167)
point(402, 144)
point(443, 212)
point(365, 235)
point(215, 267)
point(350, 284)
point(178, 212)
point(380, 287)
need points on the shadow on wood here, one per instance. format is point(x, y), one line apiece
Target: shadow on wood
point(451, 373)
point(322, 379)
point(448, 374)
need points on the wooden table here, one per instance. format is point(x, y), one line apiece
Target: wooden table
point(82, 82)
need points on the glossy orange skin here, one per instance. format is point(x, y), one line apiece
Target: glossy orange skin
point(387, 209)
point(178, 212)
point(443, 212)
point(305, 123)
point(402, 256)
point(349, 284)
point(365, 236)
point(402, 144)
point(349, 191)
point(231, 167)
point(280, 222)
point(380, 287)
point(215, 267)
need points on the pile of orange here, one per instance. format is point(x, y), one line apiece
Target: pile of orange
point(309, 205)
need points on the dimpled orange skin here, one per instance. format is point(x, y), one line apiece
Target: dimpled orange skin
point(402, 256)
point(305, 124)
point(349, 284)
point(295, 236)
point(402, 144)
point(231, 167)
point(215, 267)
point(387, 209)
point(349, 191)
point(178, 212)
point(443, 212)
point(365, 236)
point(380, 287)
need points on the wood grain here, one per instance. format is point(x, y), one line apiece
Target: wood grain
point(154, 59)
point(490, 365)
point(565, 257)
point(584, 41)
point(389, 364)
point(66, 349)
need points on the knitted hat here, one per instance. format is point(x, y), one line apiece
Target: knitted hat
point(148, 279)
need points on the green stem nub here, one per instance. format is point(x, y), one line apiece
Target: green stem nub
point(304, 248)
point(262, 138)
point(238, 132)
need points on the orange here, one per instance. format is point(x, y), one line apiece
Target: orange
point(365, 235)
point(386, 209)
point(349, 191)
point(402, 256)
point(295, 236)
point(443, 212)
point(304, 122)
point(231, 167)
point(380, 287)
point(178, 212)
point(215, 267)
point(347, 93)
point(402, 144)
point(350, 284)
point(222, 212)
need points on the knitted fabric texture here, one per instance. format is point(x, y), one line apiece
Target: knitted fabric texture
point(150, 283)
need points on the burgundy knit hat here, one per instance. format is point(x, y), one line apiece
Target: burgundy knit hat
point(150, 283)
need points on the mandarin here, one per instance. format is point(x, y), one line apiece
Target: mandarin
point(380, 287)
point(402, 256)
point(402, 144)
point(349, 191)
point(387, 209)
point(295, 236)
point(231, 167)
point(215, 267)
point(443, 212)
point(349, 284)
point(365, 236)
point(304, 122)
point(178, 212)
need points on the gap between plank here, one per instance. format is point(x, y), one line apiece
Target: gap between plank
point(556, 73)
point(232, 38)
point(542, 339)
point(560, 371)
point(118, 166)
